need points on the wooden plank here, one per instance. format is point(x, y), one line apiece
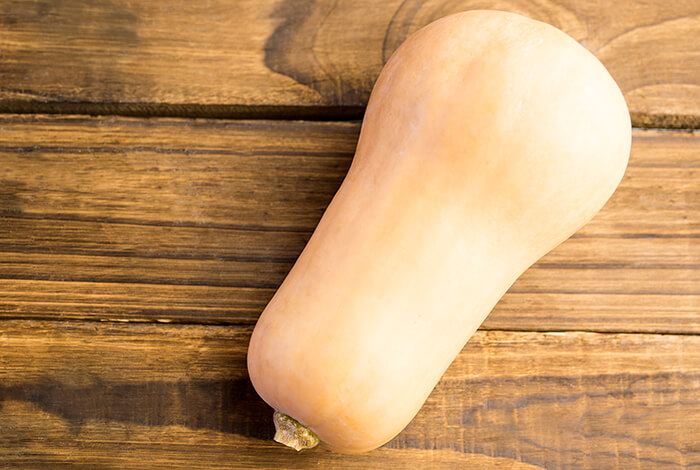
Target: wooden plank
point(265, 174)
point(597, 312)
point(225, 259)
point(167, 220)
point(279, 58)
point(122, 301)
point(543, 309)
point(87, 395)
point(174, 172)
point(594, 284)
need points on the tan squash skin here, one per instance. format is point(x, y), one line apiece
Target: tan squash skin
point(488, 140)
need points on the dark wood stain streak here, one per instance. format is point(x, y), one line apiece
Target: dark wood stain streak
point(99, 21)
point(10, 199)
point(399, 27)
point(233, 406)
point(228, 406)
point(290, 51)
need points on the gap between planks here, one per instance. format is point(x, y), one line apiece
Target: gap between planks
point(222, 111)
point(640, 121)
point(243, 324)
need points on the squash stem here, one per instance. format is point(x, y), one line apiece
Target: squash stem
point(292, 433)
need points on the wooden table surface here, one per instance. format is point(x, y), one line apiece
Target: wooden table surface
point(162, 165)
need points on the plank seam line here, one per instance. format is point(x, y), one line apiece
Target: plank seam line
point(271, 228)
point(262, 258)
point(175, 151)
point(593, 330)
point(252, 285)
point(186, 110)
point(274, 286)
point(189, 151)
point(639, 120)
point(228, 258)
point(154, 223)
point(144, 321)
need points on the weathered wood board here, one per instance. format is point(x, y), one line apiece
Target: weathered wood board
point(291, 58)
point(91, 395)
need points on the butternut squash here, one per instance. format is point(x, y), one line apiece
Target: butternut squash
point(489, 139)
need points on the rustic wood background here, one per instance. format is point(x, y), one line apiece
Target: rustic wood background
point(162, 165)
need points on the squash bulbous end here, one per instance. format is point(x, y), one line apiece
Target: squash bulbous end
point(292, 433)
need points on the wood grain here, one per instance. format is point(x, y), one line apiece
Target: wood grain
point(288, 58)
point(267, 175)
point(137, 224)
point(530, 310)
point(199, 221)
point(90, 395)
